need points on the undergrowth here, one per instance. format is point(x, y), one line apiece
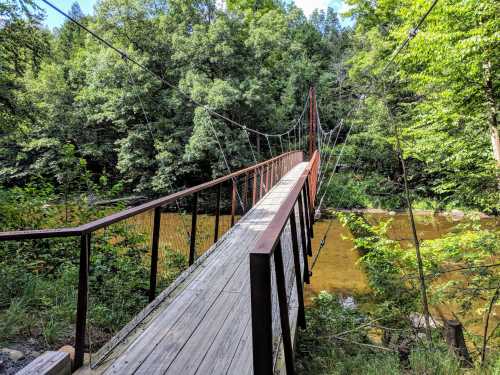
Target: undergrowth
point(39, 278)
point(338, 341)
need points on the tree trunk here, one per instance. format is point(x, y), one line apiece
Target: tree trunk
point(455, 339)
point(493, 122)
point(485, 334)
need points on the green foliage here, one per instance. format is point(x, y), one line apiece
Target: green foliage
point(335, 339)
point(348, 190)
point(436, 362)
point(251, 62)
point(441, 91)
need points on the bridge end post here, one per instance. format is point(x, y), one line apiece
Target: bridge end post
point(192, 241)
point(82, 303)
point(303, 238)
point(298, 273)
point(283, 307)
point(154, 253)
point(261, 306)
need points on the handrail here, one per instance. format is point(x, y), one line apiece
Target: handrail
point(268, 248)
point(127, 213)
point(267, 241)
point(265, 175)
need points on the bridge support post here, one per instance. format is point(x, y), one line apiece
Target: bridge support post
point(283, 305)
point(217, 213)
point(310, 209)
point(304, 241)
point(154, 253)
point(308, 218)
point(268, 178)
point(261, 304)
point(81, 308)
point(233, 202)
point(298, 273)
point(245, 194)
point(272, 174)
point(254, 189)
point(192, 241)
point(261, 193)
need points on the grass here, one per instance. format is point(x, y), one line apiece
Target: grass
point(41, 304)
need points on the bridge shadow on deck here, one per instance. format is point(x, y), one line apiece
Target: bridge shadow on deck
point(201, 324)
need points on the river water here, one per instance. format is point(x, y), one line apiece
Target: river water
point(337, 269)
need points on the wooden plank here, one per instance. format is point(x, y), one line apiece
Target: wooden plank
point(220, 355)
point(141, 347)
point(242, 362)
point(49, 363)
point(167, 349)
point(199, 343)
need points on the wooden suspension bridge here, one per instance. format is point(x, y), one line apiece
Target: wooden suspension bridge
point(236, 308)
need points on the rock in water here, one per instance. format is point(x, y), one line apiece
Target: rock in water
point(14, 355)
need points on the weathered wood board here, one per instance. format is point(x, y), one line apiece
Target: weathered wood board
point(49, 363)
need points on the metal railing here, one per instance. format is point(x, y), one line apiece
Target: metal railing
point(269, 246)
point(257, 179)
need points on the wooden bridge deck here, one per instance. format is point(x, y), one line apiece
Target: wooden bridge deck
point(202, 323)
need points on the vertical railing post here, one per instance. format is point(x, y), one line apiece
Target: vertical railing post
point(306, 215)
point(310, 212)
point(154, 253)
point(272, 174)
point(192, 242)
point(303, 238)
point(245, 193)
point(301, 317)
point(260, 298)
point(217, 213)
point(81, 307)
point(254, 189)
point(283, 305)
point(233, 202)
point(261, 182)
point(268, 178)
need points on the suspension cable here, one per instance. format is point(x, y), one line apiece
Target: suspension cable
point(226, 162)
point(153, 138)
point(411, 34)
point(125, 56)
point(269, 145)
point(250, 143)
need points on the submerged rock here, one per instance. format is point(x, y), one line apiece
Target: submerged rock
point(348, 302)
point(418, 321)
point(457, 214)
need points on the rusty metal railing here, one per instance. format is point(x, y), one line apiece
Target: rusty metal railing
point(257, 180)
point(269, 248)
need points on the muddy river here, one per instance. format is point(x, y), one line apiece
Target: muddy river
point(337, 269)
